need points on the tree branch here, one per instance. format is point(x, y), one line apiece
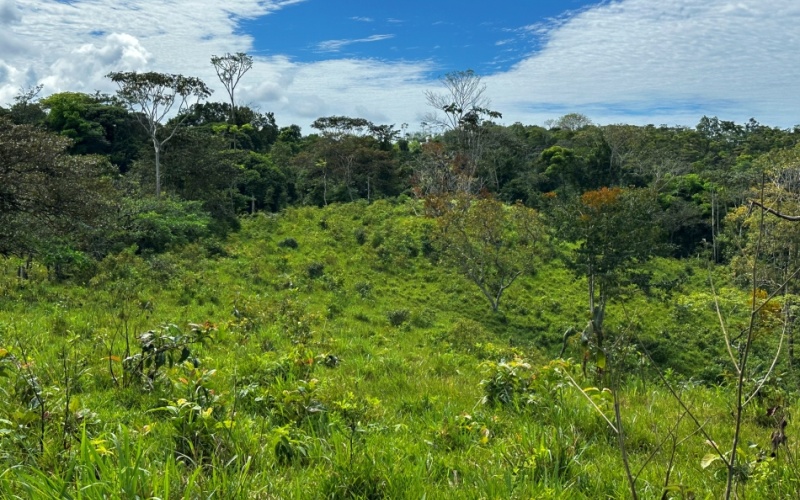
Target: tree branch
point(791, 218)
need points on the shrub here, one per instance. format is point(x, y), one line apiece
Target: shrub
point(163, 348)
point(158, 225)
point(398, 316)
point(291, 445)
point(315, 270)
point(506, 382)
point(295, 402)
point(198, 432)
point(364, 289)
point(361, 235)
point(288, 243)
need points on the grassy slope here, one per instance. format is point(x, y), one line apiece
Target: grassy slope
point(400, 413)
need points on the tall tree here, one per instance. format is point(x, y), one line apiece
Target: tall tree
point(572, 122)
point(614, 228)
point(230, 69)
point(97, 124)
point(26, 109)
point(768, 237)
point(50, 202)
point(356, 157)
point(465, 109)
point(152, 96)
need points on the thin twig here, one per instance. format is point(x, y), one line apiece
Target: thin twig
point(670, 433)
point(722, 322)
point(575, 384)
point(700, 427)
point(771, 368)
point(729, 483)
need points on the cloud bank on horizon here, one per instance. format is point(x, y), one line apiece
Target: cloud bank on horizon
point(624, 61)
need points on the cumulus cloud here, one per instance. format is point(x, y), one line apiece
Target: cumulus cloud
point(635, 61)
point(87, 65)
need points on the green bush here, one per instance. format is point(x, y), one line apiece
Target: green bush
point(360, 235)
point(158, 225)
point(397, 317)
point(288, 243)
point(315, 270)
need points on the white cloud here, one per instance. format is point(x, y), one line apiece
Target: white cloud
point(379, 91)
point(89, 63)
point(636, 61)
point(336, 45)
point(362, 19)
point(665, 61)
point(9, 13)
point(64, 46)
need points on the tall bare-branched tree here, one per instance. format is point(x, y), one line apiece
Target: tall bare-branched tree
point(461, 111)
point(152, 97)
point(230, 69)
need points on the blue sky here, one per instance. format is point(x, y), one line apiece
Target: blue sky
point(616, 61)
point(452, 35)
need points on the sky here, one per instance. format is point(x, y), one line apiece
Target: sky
point(664, 62)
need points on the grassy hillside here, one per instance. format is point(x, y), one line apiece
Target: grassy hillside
point(326, 353)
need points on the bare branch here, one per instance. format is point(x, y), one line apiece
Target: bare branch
point(791, 218)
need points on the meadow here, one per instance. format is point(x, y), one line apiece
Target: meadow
point(328, 353)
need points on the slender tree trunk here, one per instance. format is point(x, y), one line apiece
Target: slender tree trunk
point(621, 443)
point(714, 224)
point(233, 120)
point(157, 148)
point(790, 331)
point(325, 188)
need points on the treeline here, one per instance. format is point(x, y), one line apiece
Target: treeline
point(77, 177)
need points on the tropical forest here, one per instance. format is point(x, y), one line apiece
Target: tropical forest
point(198, 303)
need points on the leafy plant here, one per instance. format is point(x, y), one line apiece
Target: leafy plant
point(397, 317)
point(291, 445)
point(164, 348)
point(199, 433)
point(315, 270)
point(288, 243)
point(506, 382)
point(296, 402)
point(355, 412)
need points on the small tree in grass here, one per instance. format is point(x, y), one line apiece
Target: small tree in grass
point(614, 229)
point(490, 243)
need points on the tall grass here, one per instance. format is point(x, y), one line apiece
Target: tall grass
point(357, 314)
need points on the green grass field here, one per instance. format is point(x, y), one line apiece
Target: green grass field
point(325, 353)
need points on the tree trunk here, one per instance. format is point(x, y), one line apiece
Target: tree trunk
point(790, 333)
point(157, 148)
point(233, 120)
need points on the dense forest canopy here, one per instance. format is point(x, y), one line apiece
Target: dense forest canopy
point(230, 159)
